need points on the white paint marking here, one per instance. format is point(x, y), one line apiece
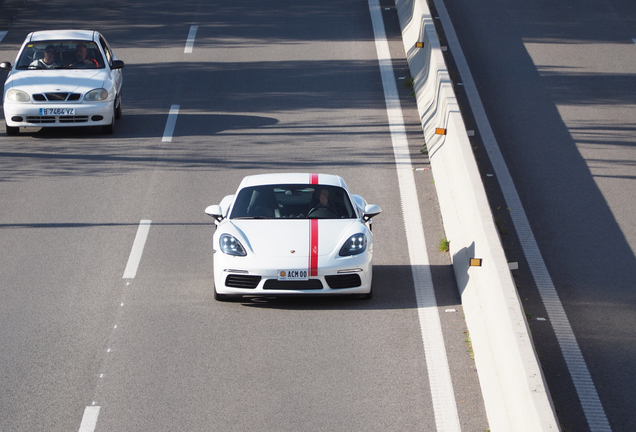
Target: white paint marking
point(3, 34)
point(190, 41)
point(443, 397)
point(590, 402)
point(137, 249)
point(89, 419)
point(170, 124)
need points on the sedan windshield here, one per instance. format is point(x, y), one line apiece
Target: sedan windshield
point(61, 54)
point(292, 202)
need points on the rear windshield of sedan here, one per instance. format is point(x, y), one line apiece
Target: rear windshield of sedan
point(64, 57)
point(292, 202)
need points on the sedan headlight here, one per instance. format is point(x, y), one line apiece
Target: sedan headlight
point(15, 95)
point(231, 246)
point(356, 244)
point(96, 95)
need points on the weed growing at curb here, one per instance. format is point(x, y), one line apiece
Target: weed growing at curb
point(444, 245)
point(469, 343)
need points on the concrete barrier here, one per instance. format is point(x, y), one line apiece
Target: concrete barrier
point(513, 386)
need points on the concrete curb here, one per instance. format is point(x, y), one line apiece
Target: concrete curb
point(512, 383)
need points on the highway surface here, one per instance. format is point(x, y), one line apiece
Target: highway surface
point(557, 81)
point(214, 91)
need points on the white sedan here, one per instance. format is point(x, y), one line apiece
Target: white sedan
point(63, 78)
point(291, 234)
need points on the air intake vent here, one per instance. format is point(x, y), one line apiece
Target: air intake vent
point(242, 281)
point(311, 284)
point(343, 281)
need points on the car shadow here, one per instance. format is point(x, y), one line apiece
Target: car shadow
point(393, 288)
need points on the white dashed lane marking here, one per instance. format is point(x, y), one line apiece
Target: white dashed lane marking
point(170, 124)
point(190, 41)
point(137, 249)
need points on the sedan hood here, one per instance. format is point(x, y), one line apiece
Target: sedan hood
point(277, 238)
point(59, 80)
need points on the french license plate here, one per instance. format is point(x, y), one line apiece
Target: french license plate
point(293, 275)
point(57, 111)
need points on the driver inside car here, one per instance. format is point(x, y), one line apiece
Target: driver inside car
point(82, 59)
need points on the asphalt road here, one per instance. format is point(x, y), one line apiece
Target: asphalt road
point(269, 86)
point(557, 83)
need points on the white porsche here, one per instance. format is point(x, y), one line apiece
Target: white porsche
point(291, 234)
point(63, 78)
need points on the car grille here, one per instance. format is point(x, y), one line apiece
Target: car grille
point(73, 119)
point(343, 281)
point(40, 119)
point(242, 281)
point(56, 97)
point(51, 119)
point(311, 284)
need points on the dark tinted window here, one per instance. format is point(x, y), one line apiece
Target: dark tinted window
point(293, 202)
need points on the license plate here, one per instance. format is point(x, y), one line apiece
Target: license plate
point(57, 111)
point(293, 275)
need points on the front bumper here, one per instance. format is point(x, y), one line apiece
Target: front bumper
point(347, 275)
point(86, 114)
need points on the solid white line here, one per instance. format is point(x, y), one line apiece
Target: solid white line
point(170, 124)
point(3, 34)
point(89, 420)
point(190, 41)
point(441, 385)
point(137, 249)
point(574, 360)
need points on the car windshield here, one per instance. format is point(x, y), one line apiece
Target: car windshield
point(61, 54)
point(292, 202)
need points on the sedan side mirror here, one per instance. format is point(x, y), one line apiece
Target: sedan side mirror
point(5, 66)
point(370, 211)
point(215, 211)
point(117, 64)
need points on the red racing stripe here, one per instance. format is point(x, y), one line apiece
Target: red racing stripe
point(313, 247)
point(313, 237)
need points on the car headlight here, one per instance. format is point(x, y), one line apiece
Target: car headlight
point(15, 95)
point(356, 244)
point(231, 246)
point(96, 95)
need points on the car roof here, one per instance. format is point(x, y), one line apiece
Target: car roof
point(291, 178)
point(44, 35)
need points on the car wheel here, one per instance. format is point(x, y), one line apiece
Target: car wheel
point(109, 129)
point(118, 109)
point(12, 130)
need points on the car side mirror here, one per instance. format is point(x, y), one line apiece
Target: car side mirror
point(117, 64)
point(370, 211)
point(215, 211)
point(5, 66)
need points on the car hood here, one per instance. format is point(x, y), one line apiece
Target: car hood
point(58, 80)
point(278, 237)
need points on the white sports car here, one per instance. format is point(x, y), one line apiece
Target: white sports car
point(290, 234)
point(63, 78)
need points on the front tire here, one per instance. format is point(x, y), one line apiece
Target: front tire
point(109, 129)
point(118, 109)
point(12, 130)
